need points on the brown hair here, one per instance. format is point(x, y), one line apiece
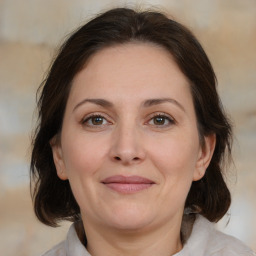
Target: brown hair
point(53, 198)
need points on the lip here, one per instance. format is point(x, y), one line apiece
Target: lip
point(127, 184)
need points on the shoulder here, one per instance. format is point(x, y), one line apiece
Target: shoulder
point(206, 240)
point(72, 246)
point(57, 250)
point(221, 244)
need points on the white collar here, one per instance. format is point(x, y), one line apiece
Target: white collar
point(203, 240)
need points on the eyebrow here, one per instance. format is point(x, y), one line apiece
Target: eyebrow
point(152, 102)
point(145, 104)
point(100, 102)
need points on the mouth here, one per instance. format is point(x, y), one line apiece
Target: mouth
point(127, 184)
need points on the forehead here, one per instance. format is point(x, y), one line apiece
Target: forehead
point(147, 69)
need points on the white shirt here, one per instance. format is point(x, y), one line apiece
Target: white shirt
point(204, 240)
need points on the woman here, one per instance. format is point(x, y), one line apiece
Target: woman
point(130, 142)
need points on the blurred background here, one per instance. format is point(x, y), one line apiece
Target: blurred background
point(31, 31)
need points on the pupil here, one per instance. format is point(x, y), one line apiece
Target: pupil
point(97, 120)
point(159, 120)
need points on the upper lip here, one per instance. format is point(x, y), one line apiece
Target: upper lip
point(127, 180)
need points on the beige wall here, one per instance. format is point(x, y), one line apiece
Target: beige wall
point(29, 32)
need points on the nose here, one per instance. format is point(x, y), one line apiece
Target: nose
point(127, 146)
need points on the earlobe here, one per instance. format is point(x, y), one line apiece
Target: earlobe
point(205, 156)
point(58, 159)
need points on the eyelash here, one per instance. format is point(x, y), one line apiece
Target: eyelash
point(165, 116)
point(171, 121)
point(88, 118)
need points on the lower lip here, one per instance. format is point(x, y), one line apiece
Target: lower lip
point(128, 188)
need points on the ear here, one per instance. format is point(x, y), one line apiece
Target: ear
point(204, 156)
point(58, 158)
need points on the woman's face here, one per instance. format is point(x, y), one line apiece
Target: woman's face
point(129, 144)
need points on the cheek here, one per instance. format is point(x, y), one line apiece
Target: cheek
point(84, 157)
point(175, 157)
point(175, 160)
point(83, 154)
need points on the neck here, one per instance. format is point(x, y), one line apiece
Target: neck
point(134, 242)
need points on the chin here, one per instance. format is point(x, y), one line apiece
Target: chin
point(130, 219)
point(130, 224)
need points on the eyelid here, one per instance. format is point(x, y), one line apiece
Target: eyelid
point(95, 114)
point(105, 116)
point(162, 114)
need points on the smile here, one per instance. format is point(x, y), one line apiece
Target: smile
point(127, 185)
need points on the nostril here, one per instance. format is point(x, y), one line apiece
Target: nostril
point(118, 158)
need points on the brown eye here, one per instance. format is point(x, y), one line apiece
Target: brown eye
point(161, 120)
point(95, 120)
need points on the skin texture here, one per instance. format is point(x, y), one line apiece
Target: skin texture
point(127, 138)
